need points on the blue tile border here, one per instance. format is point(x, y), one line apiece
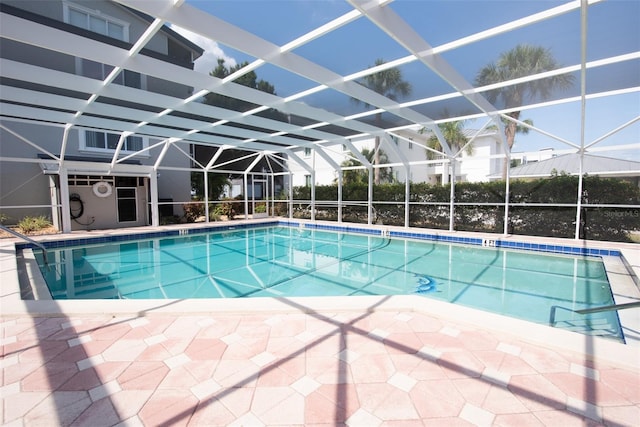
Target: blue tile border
point(141, 236)
point(473, 241)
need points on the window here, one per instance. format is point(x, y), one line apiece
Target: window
point(96, 21)
point(307, 180)
point(307, 152)
point(96, 70)
point(101, 141)
point(410, 143)
point(89, 180)
point(100, 23)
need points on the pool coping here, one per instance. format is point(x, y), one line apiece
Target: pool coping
point(624, 286)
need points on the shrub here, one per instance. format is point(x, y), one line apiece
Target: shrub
point(480, 206)
point(229, 207)
point(31, 224)
point(193, 211)
point(281, 208)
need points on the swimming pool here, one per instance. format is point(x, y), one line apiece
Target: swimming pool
point(280, 261)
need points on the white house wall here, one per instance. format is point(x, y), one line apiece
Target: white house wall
point(475, 168)
point(480, 165)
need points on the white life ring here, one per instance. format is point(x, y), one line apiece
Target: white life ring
point(105, 268)
point(102, 189)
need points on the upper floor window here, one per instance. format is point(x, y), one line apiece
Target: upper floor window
point(307, 152)
point(96, 70)
point(96, 21)
point(101, 141)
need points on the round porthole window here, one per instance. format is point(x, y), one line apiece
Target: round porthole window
point(102, 189)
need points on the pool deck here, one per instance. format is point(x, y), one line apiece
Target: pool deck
point(400, 360)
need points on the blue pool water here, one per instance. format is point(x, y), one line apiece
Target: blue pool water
point(281, 261)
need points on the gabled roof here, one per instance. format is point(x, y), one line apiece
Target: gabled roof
point(570, 164)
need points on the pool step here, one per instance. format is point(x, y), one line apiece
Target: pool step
point(601, 326)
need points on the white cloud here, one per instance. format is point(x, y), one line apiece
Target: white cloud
point(212, 51)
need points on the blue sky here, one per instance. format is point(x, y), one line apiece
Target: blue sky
point(613, 30)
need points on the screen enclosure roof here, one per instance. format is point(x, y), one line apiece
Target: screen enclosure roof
point(322, 57)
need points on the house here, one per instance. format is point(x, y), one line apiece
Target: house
point(569, 163)
point(105, 179)
point(408, 145)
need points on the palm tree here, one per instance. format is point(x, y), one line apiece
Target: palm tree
point(388, 83)
point(521, 61)
point(453, 133)
point(359, 176)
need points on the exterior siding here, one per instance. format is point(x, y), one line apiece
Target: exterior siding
point(24, 184)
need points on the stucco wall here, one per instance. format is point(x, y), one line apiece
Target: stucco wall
point(101, 212)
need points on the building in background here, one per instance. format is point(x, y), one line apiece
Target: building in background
point(480, 165)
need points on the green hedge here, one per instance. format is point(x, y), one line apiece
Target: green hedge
point(430, 206)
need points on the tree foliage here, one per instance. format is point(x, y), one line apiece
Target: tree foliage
point(249, 79)
point(216, 184)
point(521, 61)
point(361, 176)
point(392, 85)
point(453, 134)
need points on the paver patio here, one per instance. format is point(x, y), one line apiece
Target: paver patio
point(342, 368)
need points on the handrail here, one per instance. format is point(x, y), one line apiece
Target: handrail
point(29, 240)
point(613, 307)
